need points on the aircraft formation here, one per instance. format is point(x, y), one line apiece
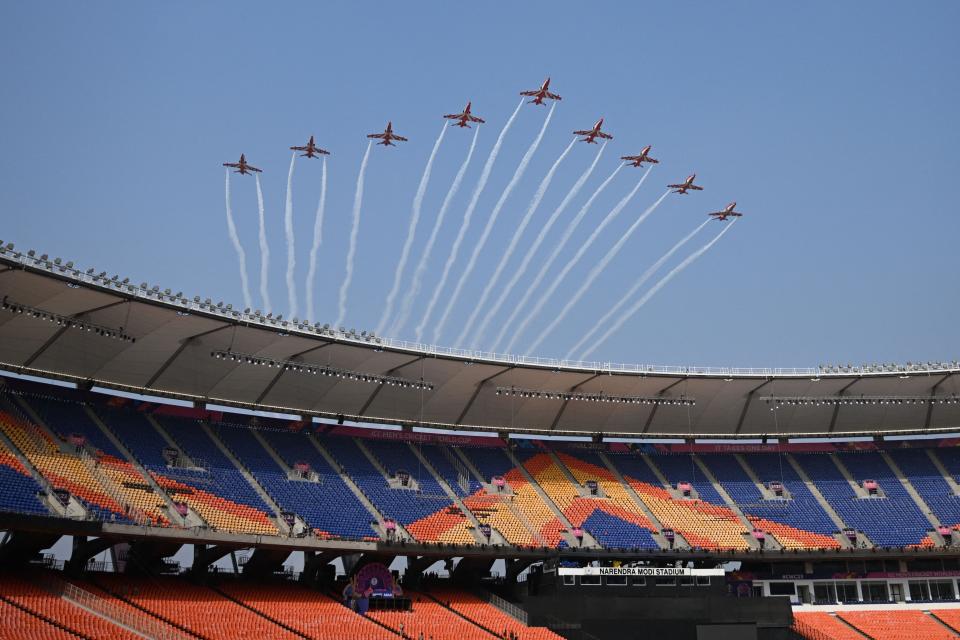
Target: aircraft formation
point(540, 96)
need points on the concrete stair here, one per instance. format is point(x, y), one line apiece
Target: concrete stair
point(74, 509)
point(393, 481)
point(185, 460)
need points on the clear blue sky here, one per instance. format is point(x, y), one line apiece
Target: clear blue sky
point(834, 125)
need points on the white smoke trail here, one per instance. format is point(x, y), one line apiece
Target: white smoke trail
point(411, 233)
point(653, 290)
point(241, 254)
point(491, 221)
point(264, 252)
point(529, 253)
point(557, 279)
point(354, 231)
point(623, 299)
point(291, 243)
point(467, 215)
point(545, 268)
point(514, 241)
point(317, 239)
point(595, 273)
point(407, 306)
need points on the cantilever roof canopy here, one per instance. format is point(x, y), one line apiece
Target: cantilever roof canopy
point(176, 339)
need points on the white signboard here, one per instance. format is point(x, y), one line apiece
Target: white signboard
point(655, 572)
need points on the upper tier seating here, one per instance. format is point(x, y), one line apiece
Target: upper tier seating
point(614, 520)
point(702, 524)
point(917, 465)
point(891, 521)
point(338, 511)
point(774, 516)
point(235, 505)
point(329, 507)
point(407, 506)
point(210, 493)
point(802, 510)
point(114, 472)
point(62, 471)
point(18, 490)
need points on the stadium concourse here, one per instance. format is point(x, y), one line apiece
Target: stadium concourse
point(140, 496)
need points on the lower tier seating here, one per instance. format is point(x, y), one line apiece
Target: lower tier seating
point(897, 625)
point(198, 609)
point(488, 616)
point(308, 612)
point(60, 611)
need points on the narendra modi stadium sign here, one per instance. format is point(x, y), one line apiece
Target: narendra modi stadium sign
point(653, 572)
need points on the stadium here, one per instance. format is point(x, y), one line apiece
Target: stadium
point(832, 489)
point(426, 391)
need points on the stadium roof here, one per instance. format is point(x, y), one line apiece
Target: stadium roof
point(175, 339)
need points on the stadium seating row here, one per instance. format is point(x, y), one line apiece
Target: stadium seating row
point(223, 471)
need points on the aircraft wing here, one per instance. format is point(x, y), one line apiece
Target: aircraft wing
point(249, 168)
point(298, 148)
point(695, 187)
point(400, 138)
point(475, 119)
point(678, 186)
point(583, 133)
point(530, 93)
point(453, 116)
point(231, 164)
point(605, 136)
point(553, 96)
point(376, 135)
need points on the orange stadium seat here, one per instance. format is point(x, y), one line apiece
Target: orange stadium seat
point(61, 611)
point(310, 613)
point(897, 625)
point(817, 625)
point(191, 606)
point(18, 624)
point(489, 616)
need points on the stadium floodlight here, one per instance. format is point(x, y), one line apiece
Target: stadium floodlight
point(67, 321)
point(566, 396)
point(862, 400)
point(325, 370)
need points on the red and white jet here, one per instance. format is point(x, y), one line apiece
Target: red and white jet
point(242, 167)
point(686, 185)
point(311, 150)
point(591, 135)
point(463, 118)
point(639, 159)
point(387, 136)
point(728, 212)
point(541, 94)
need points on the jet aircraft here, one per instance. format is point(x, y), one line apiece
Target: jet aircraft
point(242, 167)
